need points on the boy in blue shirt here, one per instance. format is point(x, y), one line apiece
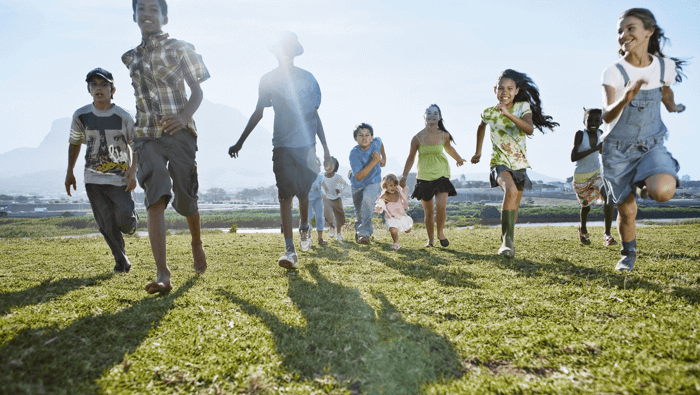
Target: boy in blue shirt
point(365, 178)
point(295, 96)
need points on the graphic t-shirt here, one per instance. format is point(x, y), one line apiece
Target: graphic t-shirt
point(508, 139)
point(106, 133)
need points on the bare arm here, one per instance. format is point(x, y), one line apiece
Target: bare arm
point(252, 123)
point(322, 138)
point(73, 154)
point(360, 175)
point(131, 172)
point(409, 161)
point(614, 107)
point(669, 101)
point(173, 123)
point(382, 163)
point(451, 150)
point(524, 123)
point(480, 132)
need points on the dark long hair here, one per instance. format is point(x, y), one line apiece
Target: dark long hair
point(441, 125)
point(528, 92)
point(657, 40)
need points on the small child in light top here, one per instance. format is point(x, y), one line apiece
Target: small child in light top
point(316, 207)
point(333, 186)
point(394, 202)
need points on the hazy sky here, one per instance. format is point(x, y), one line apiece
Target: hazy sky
point(381, 62)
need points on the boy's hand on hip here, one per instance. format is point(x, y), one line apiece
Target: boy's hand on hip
point(70, 180)
point(173, 123)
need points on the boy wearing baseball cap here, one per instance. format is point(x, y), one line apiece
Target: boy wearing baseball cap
point(110, 167)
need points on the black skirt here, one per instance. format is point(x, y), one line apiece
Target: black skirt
point(426, 190)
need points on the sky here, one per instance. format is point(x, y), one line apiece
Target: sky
point(381, 62)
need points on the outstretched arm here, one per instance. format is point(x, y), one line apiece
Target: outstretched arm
point(480, 132)
point(409, 161)
point(322, 138)
point(73, 153)
point(176, 122)
point(252, 123)
point(669, 101)
point(451, 150)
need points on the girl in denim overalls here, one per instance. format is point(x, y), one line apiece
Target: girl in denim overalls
point(634, 155)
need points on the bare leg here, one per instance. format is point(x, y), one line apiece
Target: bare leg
point(198, 255)
point(626, 215)
point(156, 234)
point(661, 187)
point(511, 202)
point(429, 219)
point(339, 215)
point(304, 210)
point(286, 214)
point(394, 234)
point(584, 218)
point(441, 214)
point(608, 211)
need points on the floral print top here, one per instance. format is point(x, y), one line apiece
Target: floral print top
point(508, 140)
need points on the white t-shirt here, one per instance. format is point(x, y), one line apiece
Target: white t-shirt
point(613, 77)
point(331, 184)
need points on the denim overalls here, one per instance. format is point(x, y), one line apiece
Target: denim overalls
point(634, 149)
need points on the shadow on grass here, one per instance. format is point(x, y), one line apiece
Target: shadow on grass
point(47, 291)
point(365, 350)
point(72, 359)
point(423, 265)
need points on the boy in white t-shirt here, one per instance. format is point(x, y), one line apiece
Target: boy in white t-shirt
point(333, 186)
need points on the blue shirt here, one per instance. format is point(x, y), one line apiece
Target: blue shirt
point(359, 159)
point(295, 96)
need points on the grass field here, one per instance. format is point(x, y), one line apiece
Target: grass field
point(355, 319)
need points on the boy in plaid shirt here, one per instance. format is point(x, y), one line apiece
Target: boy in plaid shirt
point(166, 136)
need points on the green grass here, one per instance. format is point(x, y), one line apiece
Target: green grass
point(355, 319)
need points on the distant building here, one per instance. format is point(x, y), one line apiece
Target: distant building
point(685, 178)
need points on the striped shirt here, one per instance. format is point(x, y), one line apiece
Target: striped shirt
point(159, 68)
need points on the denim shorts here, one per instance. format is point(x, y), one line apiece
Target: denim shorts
point(627, 163)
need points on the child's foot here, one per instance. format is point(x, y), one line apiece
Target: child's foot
point(331, 232)
point(396, 246)
point(122, 267)
point(322, 242)
point(507, 248)
point(584, 238)
point(306, 241)
point(339, 237)
point(608, 240)
point(429, 245)
point(289, 260)
point(363, 240)
point(199, 258)
point(161, 285)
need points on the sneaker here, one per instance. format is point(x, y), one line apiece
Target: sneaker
point(331, 232)
point(306, 240)
point(289, 260)
point(122, 267)
point(396, 246)
point(339, 237)
point(608, 240)
point(363, 240)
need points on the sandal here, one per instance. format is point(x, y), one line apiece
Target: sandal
point(608, 240)
point(322, 242)
point(396, 246)
point(585, 238)
point(444, 242)
point(429, 245)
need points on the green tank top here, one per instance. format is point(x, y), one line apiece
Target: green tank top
point(432, 162)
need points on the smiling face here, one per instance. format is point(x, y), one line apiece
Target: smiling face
point(432, 115)
point(506, 90)
point(593, 121)
point(391, 186)
point(101, 91)
point(631, 34)
point(364, 138)
point(149, 17)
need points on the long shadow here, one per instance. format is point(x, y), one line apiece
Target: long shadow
point(368, 351)
point(70, 360)
point(424, 266)
point(46, 291)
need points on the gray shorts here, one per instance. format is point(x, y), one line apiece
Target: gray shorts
point(168, 163)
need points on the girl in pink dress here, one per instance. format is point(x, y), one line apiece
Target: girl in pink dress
point(394, 202)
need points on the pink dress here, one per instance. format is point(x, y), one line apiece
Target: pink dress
point(396, 216)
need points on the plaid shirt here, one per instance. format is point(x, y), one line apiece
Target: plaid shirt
point(159, 68)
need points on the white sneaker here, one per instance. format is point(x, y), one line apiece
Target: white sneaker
point(331, 232)
point(289, 260)
point(306, 241)
point(339, 237)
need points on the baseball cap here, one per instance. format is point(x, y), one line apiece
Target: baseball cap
point(101, 73)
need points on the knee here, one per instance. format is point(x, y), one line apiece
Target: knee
point(511, 191)
point(662, 193)
point(627, 212)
